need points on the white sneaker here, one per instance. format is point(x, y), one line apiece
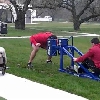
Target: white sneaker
point(76, 68)
point(49, 61)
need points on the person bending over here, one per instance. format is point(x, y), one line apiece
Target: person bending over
point(91, 59)
point(38, 41)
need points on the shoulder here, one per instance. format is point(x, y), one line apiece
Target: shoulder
point(93, 48)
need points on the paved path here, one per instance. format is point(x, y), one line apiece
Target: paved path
point(17, 88)
point(75, 35)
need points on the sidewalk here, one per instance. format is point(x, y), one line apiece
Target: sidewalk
point(16, 88)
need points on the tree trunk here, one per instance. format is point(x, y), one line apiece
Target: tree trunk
point(52, 18)
point(20, 21)
point(76, 25)
point(76, 22)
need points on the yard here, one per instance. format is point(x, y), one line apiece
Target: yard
point(18, 51)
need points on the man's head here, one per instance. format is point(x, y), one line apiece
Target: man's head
point(52, 37)
point(95, 41)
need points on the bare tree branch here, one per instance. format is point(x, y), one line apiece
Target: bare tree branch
point(85, 8)
point(89, 17)
point(14, 4)
point(26, 3)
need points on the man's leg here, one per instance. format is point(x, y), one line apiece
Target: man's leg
point(96, 71)
point(49, 59)
point(33, 54)
point(86, 63)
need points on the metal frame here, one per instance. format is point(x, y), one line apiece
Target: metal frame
point(63, 48)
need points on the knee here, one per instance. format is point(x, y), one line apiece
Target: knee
point(36, 49)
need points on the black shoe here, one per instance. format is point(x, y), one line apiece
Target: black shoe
point(29, 65)
point(49, 61)
point(70, 69)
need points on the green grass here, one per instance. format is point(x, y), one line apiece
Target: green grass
point(2, 98)
point(18, 51)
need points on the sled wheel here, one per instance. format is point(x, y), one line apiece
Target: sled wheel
point(3, 71)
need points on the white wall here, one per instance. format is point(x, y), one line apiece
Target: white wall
point(31, 17)
point(42, 19)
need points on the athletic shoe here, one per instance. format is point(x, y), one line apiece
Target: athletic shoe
point(70, 69)
point(76, 68)
point(49, 61)
point(29, 65)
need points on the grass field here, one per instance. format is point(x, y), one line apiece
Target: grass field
point(18, 51)
point(2, 98)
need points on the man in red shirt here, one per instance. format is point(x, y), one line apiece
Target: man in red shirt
point(91, 59)
point(40, 40)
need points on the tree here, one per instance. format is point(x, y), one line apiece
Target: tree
point(77, 12)
point(77, 8)
point(20, 11)
point(47, 5)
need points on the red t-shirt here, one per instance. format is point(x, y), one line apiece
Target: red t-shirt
point(40, 38)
